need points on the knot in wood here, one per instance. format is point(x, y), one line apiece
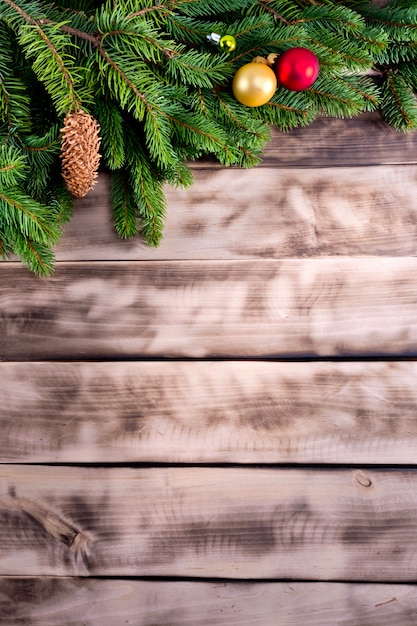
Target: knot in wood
point(363, 480)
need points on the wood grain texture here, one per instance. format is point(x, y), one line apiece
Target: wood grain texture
point(327, 142)
point(209, 412)
point(69, 602)
point(263, 213)
point(352, 525)
point(291, 308)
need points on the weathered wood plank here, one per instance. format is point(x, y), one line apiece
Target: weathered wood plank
point(207, 522)
point(205, 412)
point(263, 213)
point(361, 141)
point(291, 308)
point(67, 601)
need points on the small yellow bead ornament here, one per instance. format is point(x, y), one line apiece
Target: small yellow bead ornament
point(227, 43)
point(254, 84)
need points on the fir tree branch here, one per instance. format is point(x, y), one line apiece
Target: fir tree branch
point(6, 100)
point(54, 144)
point(16, 7)
point(163, 95)
point(28, 217)
point(12, 166)
point(40, 265)
point(390, 81)
point(279, 105)
point(346, 56)
point(271, 44)
point(58, 58)
point(122, 75)
point(277, 15)
point(124, 208)
point(80, 34)
point(372, 98)
point(156, 7)
point(155, 118)
point(199, 131)
point(385, 22)
point(166, 51)
point(331, 96)
point(405, 102)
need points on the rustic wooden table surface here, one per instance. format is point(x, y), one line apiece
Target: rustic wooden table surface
point(222, 431)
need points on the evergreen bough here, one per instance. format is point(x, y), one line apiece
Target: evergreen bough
point(160, 91)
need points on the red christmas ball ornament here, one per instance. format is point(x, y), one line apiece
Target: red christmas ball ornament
point(297, 69)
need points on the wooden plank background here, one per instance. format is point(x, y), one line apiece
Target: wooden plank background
point(199, 309)
point(223, 430)
point(245, 523)
point(209, 412)
point(43, 601)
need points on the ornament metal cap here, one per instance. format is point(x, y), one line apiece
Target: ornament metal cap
point(214, 38)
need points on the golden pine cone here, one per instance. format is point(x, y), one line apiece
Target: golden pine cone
point(80, 152)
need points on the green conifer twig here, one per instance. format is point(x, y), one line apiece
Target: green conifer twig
point(162, 95)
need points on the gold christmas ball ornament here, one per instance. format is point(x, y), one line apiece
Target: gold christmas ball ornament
point(227, 43)
point(254, 84)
